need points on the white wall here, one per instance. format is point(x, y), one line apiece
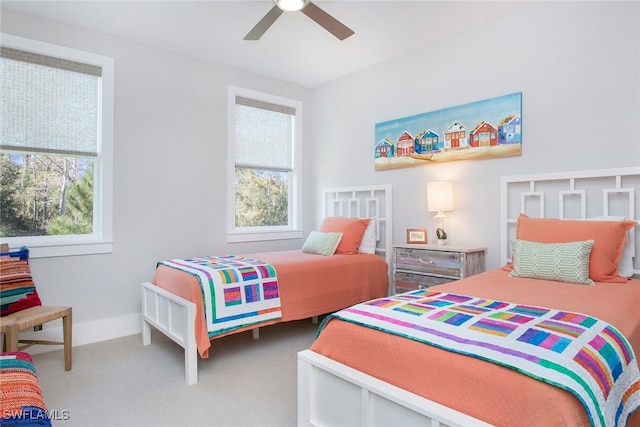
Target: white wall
point(170, 141)
point(577, 65)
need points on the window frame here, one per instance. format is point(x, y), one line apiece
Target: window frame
point(101, 240)
point(252, 234)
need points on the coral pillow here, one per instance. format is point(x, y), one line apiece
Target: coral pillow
point(352, 230)
point(625, 265)
point(609, 237)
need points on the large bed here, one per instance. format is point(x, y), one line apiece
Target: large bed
point(359, 373)
point(311, 281)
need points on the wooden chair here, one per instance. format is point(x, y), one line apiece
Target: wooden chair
point(12, 324)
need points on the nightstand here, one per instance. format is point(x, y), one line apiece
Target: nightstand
point(421, 266)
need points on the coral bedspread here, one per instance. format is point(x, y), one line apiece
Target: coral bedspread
point(481, 389)
point(310, 285)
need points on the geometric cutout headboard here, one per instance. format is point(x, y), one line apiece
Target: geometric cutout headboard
point(372, 201)
point(570, 195)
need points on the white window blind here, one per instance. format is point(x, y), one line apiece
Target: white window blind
point(264, 134)
point(49, 105)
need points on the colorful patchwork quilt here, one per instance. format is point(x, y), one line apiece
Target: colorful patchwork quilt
point(577, 352)
point(236, 291)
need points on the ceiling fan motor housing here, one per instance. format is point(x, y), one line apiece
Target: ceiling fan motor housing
point(291, 5)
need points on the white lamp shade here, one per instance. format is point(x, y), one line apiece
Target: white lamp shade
point(440, 196)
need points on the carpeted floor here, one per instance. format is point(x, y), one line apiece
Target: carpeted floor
point(244, 382)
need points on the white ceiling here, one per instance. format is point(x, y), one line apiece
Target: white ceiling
point(295, 48)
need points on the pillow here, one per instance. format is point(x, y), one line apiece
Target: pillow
point(352, 230)
point(625, 265)
point(562, 262)
point(321, 243)
point(609, 238)
point(369, 239)
point(17, 290)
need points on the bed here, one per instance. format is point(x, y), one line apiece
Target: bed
point(357, 373)
point(321, 277)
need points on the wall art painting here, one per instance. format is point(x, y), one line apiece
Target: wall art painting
point(485, 129)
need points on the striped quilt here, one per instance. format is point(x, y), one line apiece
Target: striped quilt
point(576, 352)
point(236, 291)
point(21, 402)
point(17, 290)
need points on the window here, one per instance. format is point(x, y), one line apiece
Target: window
point(55, 148)
point(264, 167)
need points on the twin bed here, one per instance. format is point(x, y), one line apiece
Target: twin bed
point(397, 371)
point(362, 369)
point(309, 284)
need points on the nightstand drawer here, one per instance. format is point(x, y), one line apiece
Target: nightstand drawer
point(412, 281)
point(429, 261)
point(421, 266)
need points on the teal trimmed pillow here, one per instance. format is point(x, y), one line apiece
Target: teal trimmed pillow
point(322, 243)
point(562, 262)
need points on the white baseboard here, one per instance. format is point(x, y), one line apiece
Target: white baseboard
point(87, 332)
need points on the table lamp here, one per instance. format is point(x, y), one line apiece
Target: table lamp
point(440, 199)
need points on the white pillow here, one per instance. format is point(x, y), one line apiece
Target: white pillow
point(322, 243)
point(369, 238)
point(625, 265)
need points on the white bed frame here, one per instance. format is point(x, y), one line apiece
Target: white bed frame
point(330, 393)
point(175, 316)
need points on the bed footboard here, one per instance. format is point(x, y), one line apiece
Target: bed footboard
point(330, 393)
point(174, 317)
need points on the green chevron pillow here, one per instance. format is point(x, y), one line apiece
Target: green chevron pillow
point(562, 262)
point(321, 243)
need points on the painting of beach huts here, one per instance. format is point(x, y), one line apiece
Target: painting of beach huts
point(485, 129)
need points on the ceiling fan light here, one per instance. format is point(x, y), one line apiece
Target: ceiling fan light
point(291, 5)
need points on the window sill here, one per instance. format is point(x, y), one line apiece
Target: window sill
point(50, 250)
point(265, 235)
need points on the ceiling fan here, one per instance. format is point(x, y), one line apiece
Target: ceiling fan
point(321, 17)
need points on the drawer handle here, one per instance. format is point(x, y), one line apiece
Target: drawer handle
point(429, 261)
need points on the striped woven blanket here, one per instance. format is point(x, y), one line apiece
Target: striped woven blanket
point(236, 291)
point(576, 352)
point(21, 402)
point(17, 290)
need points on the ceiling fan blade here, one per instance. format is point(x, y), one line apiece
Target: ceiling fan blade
point(264, 24)
point(327, 21)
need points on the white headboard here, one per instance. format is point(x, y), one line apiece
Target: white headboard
point(569, 195)
point(373, 201)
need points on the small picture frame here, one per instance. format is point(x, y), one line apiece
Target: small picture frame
point(416, 235)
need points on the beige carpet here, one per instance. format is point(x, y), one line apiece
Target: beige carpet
point(244, 382)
